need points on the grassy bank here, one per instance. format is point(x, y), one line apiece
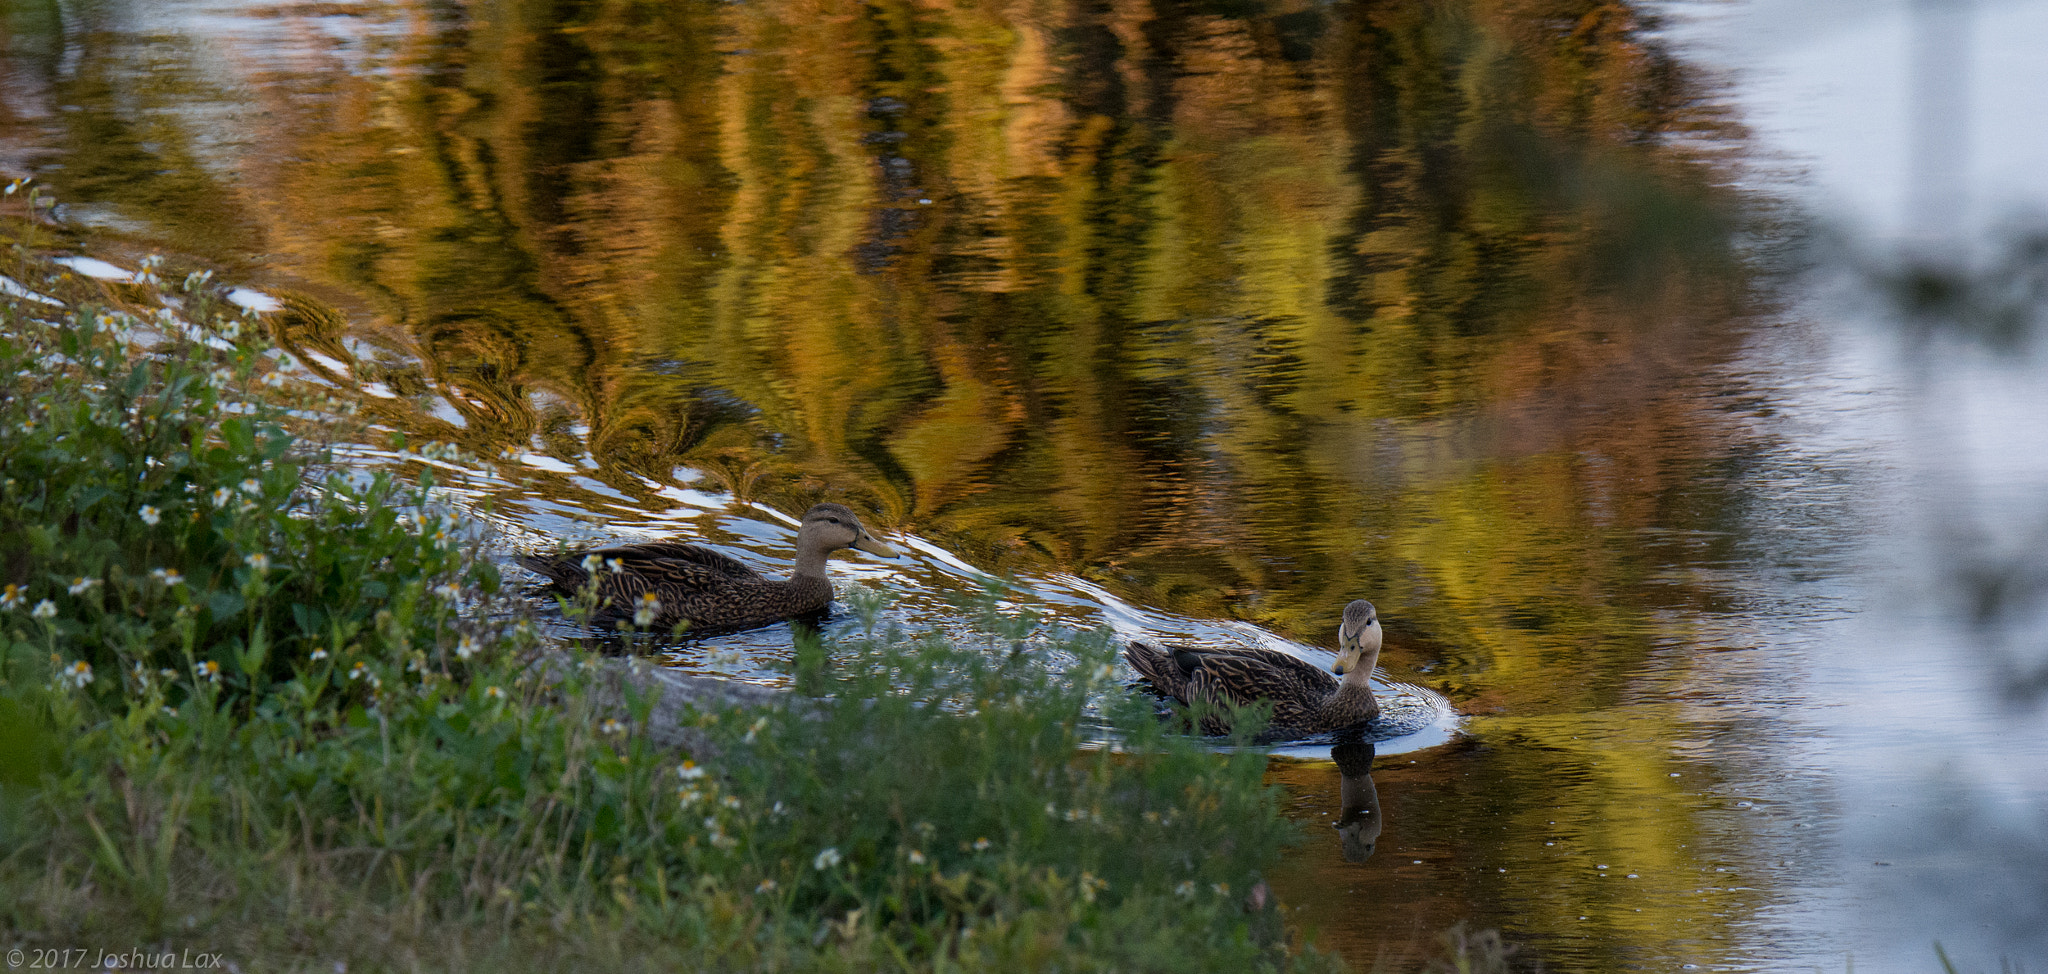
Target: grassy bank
point(258, 707)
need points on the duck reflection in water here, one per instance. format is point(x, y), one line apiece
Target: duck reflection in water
point(1358, 818)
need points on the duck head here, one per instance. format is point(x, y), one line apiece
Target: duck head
point(1358, 640)
point(830, 527)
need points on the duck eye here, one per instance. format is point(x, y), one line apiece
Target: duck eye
point(834, 520)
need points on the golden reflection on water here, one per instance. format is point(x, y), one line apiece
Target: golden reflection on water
point(1234, 310)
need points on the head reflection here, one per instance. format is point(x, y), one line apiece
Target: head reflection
point(1358, 821)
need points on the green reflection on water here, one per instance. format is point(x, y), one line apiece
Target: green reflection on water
point(1237, 309)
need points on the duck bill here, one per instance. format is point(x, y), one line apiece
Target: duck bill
point(1348, 657)
point(868, 544)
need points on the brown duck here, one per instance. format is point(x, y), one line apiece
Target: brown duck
point(661, 584)
point(1305, 699)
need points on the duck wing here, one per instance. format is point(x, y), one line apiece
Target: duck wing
point(673, 566)
point(1270, 664)
point(1244, 676)
point(653, 565)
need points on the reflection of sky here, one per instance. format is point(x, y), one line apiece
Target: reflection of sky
point(1922, 768)
point(1827, 85)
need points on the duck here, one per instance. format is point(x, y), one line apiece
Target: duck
point(663, 584)
point(1306, 701)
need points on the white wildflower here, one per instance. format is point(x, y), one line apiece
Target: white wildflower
point(82, 585)
point(45, 609)
point(826, 859)
point(690, 771)
point(167, 576)
point(150, 515)
point(258, 561)
point(12, 597)
point(467, 647)
point(650, 607)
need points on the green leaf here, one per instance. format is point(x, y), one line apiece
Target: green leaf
point(235, 430)
point(88, 496)
point(310, 620)
point(224, 604)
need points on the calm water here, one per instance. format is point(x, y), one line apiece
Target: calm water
point(1197, 321)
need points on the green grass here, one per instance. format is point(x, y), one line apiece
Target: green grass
point(256, 705)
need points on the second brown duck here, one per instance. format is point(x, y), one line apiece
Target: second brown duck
point(663, 584)
point(1306, 700)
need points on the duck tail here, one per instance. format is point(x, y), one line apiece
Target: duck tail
point(560, 572)
point(1155, 665)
